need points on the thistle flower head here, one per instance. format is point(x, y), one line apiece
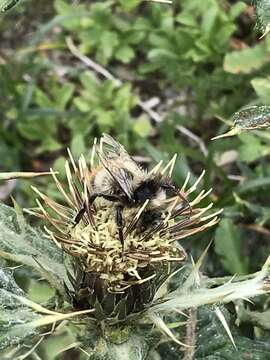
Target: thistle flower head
point(121, 276)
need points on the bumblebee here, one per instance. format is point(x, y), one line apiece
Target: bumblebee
point(121, 180)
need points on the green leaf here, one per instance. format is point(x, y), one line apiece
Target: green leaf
point(7, 4)
point(8, 283)
point(15, 317)
point(124, 99)
point(247, 60)
point(228, 245)
point(42, 99)
point(251, 148)
point(27, 245)
point(213, 343)
point(120, 343)
point(34, 128)
point(109, 42)
point(237, 9)
point(206, 332)
point(262, 213)
point(186, 18)
point(77, 145)
point(256, 318)
point(70, 15)
point(254, 185)
point(129, 4)
point(142, 127)
point(82, 104)
point(125, 54)
point(89, 80)
point(262, 88)
point(63, 94)
point(262, 8)
point(104, 118)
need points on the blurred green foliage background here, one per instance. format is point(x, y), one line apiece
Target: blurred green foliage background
point(174, 75)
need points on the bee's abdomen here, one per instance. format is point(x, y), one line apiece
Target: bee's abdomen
point(102, 183)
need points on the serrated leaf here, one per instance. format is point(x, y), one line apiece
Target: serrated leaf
point(28, 246)
point(228, 246)
point(15, 316)
point(8, 283)
point(16, 334)
point(7, 4)
point(250, 118)
point(212, 343)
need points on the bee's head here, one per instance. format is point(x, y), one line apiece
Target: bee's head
point(154, 188)
point(167, 186)
point(146, 189)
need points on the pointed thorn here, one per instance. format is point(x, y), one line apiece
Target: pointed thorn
point(232, 132)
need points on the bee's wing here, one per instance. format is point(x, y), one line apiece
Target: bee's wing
point(119, 174)
point(113, 150)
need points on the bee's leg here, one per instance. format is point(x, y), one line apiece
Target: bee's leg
point(108, 197)
point(182, 197)
point(185, 201)
point(120, 224)
point(79, 215)
point(92, 198)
